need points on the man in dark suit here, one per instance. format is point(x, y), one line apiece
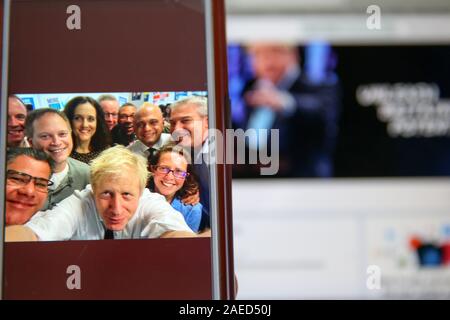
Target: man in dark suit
point(303, 107)
point(189, 128)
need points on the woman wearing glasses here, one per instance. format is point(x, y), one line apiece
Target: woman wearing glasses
point(171, 177)
point(89, 131)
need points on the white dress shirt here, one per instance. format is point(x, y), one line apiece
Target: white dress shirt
point(76, 218)
point(140, 148)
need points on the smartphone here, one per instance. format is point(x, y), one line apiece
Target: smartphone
point(143, 54)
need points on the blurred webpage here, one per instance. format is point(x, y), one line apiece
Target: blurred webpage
point(363, 210)
point(317, 239)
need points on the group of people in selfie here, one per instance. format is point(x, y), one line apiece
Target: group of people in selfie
point(97, 170)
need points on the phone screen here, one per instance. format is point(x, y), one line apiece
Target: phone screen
point(109, 110)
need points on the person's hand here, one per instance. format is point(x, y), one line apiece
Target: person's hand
point(18, 233)
point(264, 97)
point(205, 233)
point(178, 234)
point(191, 199)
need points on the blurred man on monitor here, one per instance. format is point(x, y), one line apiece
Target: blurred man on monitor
point(303, 106)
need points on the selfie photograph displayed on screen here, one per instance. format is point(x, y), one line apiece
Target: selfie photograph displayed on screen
point(106, 131)
point(85, 167)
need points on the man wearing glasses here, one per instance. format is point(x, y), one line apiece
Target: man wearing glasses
point(116, 206)
point(110, 107)
point(123, 132)
point(27, 182)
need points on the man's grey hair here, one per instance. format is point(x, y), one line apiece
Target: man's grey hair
point(106, 97)
point(39, 113)
point(13, 153)
point(13, 96)
point(200, 102)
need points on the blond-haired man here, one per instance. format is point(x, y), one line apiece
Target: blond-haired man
point(116, 206)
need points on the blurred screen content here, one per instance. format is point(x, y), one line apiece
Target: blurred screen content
point(342, 113)
point(278, 86)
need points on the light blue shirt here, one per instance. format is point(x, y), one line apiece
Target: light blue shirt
point(192, 214)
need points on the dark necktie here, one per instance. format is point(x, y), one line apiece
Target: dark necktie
point(109, 234)
point(151, 153)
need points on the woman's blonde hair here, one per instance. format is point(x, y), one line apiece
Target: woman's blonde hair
point(117, 162)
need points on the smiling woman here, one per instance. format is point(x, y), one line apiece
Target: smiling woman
point(171, 177)
point(89, 130)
